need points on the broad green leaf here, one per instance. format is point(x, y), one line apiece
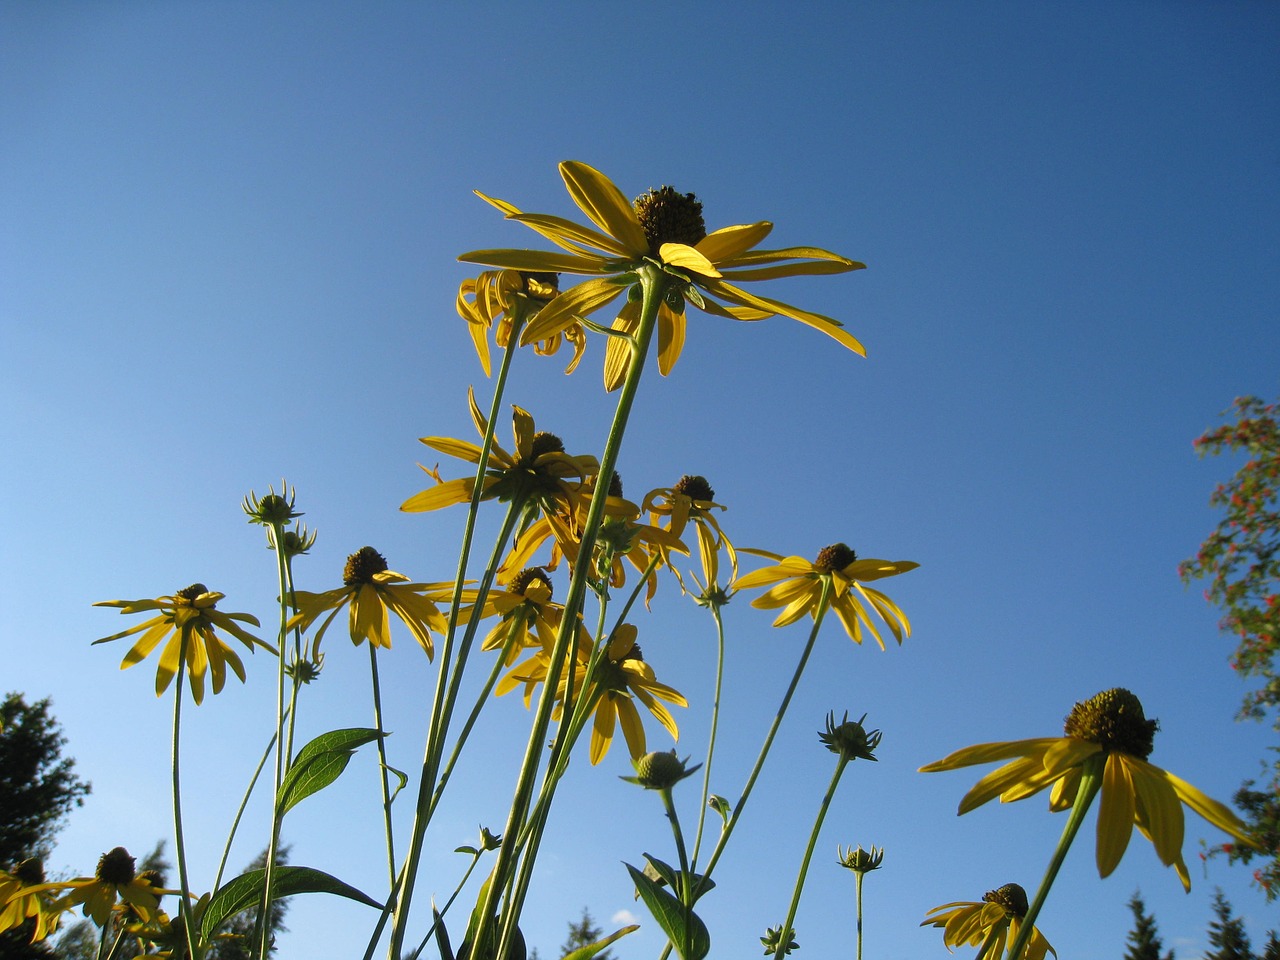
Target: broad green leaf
point(663, 872)
point(320, 763)
point(686, 931)
point(591, 949)
point(245, 891)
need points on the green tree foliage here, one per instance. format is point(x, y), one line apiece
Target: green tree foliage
point(582, 934)
point(1226, 933)
point(1272, 949)
point(1144, 942)
point(38, 786)
point(1241, 561)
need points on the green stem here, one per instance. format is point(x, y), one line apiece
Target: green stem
point(263, 930)
point(858, 883)
point(440, 713)
point(653, 283)
point(808, 853)
point(711, 740)
point(382, 765)
point(685, 893)
point(179, 841)
point(824, 600)
point(244, 802)
point(1090, 784)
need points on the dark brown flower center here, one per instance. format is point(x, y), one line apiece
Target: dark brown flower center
point(835, 557)
point(544, 442)
point(187, 595)
point(30, 871)
point(116, 867)
point(615, 485)
point(1011, 896)
point(1114, 720)
point(694, 487)
point(520, 582)
point(362, 565)
point(670, 217)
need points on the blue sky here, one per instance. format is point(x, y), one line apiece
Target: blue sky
point(229, 235)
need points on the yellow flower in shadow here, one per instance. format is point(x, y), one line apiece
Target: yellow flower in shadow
point(189, 614)
point(370, 592)
point(539, 471)
point(664, 228)
point(115, 879)
point(24, 896)
point(799, 586)
point(494, 297)
point(1109, 729)
point(692, 500)
point(992, 924)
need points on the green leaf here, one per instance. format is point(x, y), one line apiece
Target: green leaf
point(320, 763)
point(686, 931)
point(401, 776)
point(591, 949)
point(442, 935)
point(663, 872)
point(245, 891)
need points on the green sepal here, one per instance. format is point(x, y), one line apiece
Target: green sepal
point(320, 763)
point(686, 931)
point(245, 891)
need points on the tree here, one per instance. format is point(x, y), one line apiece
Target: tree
point(1241, 561)
point(1144, 943)
point(1272, 949)
point(1226, 933)
point(38, 786)
point(582, 934)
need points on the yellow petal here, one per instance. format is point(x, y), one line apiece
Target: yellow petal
point(685, 257)
point(578, 301)
point(540, 261)
point(991, 752)
point(441, 495)
point(671, 328)
point(729, 242)
point(598, 197)
point(1115, 814)
point(571, 235)
point(827, 325)
point(1213, 811)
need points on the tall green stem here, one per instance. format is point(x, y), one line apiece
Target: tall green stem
point(858, 883)
point(711, 739)
point(440, 712)
point(179, 842)
point(824, 600)
point(1090, 784)
point(382, 766)
point(653, 282)
point(808, 854)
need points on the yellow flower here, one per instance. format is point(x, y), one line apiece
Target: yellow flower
point(800, 584)
point(992, 924)
point(24, 896)
point(539, 471)
point(1112, 731)
point(495, 295)
point(370, 590)
point(526, 614)
point(620, 676)
point(692, 499)
point(666, 229)
point(189, 614)
point(114, 878)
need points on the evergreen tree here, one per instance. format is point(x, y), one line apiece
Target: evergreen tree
point(583, 933)
point(1272, 949)
point(1144, 943)
point(38, 787)
point(1226, 933)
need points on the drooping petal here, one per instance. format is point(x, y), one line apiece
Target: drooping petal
point(578, 301)
point(1213, 811)
point(671, 331)
point(832, 328)
point(1115, 814)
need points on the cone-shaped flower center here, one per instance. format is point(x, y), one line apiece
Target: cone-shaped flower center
point(30, 871)
point(187, 595)
point(670, 217)
point(1011, 896)
point(615, 485)
point(542, 286)
point(544, 442)
point(835, 557)
point(520, 582)
point(362, 565)
point(1114, 720)
point(116, 867)
point(694, 487)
